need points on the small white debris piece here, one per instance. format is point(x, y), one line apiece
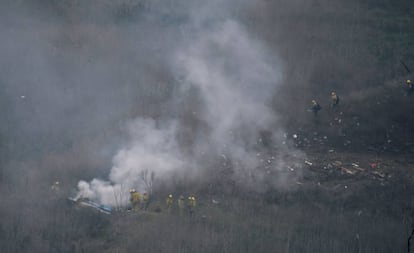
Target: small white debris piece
point(331, 151)
point(22, 96)
point(377, 173)
point(215, 202)
point(291, 169)
point(295, 136)
point(347, 171)
point(355, 165)
point(346, 186)
point(308, 163)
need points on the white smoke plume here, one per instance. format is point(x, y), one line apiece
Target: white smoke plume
point(235, 78)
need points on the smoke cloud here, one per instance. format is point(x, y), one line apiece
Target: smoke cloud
point(232, 79)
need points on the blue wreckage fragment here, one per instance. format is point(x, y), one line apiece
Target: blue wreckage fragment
point(89, 203)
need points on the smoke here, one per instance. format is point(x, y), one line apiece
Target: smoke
point(234, 78)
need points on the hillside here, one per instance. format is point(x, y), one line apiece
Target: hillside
point(212, 99)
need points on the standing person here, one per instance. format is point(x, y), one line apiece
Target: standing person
point(410, 87)
point(315, 107)
point(145, 201)
point(191, 204)
point(334, 99)
point(134, 199)
point(169, 202)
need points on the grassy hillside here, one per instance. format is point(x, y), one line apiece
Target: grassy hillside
point(69, 126)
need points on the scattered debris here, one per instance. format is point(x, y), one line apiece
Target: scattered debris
point(84, 202)
point(378, 173)
point(308, 163)
point(347, 171)
point(337, 163)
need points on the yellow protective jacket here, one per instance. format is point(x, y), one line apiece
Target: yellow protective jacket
point(192, 201)
point(135, 197)
point(169, 201)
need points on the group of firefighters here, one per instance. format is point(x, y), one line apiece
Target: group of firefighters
point(334, 103)
point(182, 204)
point(315, 108)
point(139, 202)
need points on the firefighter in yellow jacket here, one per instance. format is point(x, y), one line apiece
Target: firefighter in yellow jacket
point(145, 201)
point(334, 99)
point(134, 199)
point(169, 202)
point(191, 204)
point(410, 87)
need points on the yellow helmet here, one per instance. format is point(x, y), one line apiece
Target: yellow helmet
point(408, 81)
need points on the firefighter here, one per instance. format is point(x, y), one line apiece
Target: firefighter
point(55, 187)
point(334, 99)
point(315, 107)
point(410, 87)
point(169, 201)
point(191, 204)
point(181, 204)
point(55, 190)
point(134, 199)
point(145, 201)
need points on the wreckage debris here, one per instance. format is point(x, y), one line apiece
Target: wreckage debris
point(94, 205)
point(347, 171)
point(308, 163)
